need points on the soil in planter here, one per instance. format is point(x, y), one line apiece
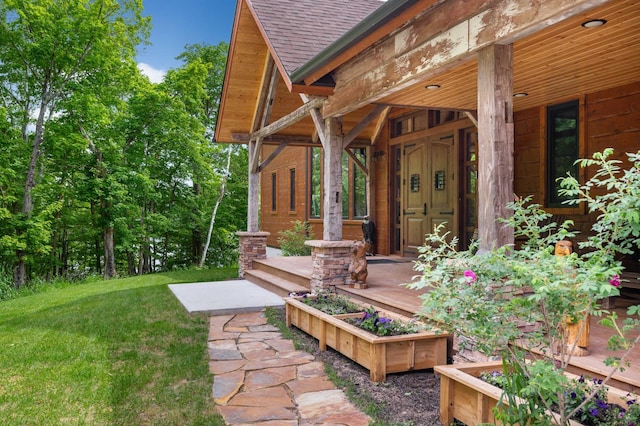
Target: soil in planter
point(404, 399)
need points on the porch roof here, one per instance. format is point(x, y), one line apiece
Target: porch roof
point(390, 55)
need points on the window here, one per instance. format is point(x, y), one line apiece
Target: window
point(408, 124)
point(316, 186)
point(438, 117)
point(274, 192)
point(292, 190)
point(354, 184)
point(345, 186)
point(360, 185)
point(562, 148)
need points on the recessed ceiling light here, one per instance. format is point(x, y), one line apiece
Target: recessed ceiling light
point(594, 23)
point(432, 86)
point(520, 94)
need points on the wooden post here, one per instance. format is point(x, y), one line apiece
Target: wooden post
point(333, 180)
point(254, 192)
point(495, 144)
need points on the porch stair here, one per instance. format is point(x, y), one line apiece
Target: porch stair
point(400, 305)
point(267, 275)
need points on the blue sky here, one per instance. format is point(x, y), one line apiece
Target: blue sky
point(177, 23)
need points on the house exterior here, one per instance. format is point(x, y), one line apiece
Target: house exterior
point(422, 112)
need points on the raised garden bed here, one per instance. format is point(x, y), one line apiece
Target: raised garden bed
point(380, 355)
point(466, 398)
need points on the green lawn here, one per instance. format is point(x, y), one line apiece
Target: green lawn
point(121, 352)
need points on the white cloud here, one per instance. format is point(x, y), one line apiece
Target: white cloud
point(155, 76)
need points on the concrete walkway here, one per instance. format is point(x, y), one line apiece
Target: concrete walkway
point(224, 297)
point(260, 379)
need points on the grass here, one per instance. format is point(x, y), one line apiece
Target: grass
point(119, 352)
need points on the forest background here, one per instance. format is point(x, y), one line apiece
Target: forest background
point(101, 171)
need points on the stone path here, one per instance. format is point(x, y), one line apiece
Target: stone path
point(260, 379)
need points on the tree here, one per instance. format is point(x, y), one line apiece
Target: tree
point(48, 50)
point(229, 178)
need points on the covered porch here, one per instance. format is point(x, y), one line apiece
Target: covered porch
point(387, 290)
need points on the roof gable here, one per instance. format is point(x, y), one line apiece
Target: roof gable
point(297, 30)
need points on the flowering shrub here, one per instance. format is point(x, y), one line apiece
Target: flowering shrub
point(489, 297)
point(595, 412)
point(372, 322)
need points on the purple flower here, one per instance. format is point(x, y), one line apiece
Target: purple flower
point(615, 281)
point(384, 320)
point(470, 276)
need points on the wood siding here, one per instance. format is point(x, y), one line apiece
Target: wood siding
point(611, 118)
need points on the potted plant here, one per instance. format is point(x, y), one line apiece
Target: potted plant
point(490, 297)
point(382, 342)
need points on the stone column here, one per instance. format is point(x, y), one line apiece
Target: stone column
point(331, 261)
point(253, 245)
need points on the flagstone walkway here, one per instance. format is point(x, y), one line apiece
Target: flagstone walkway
point(261, 379)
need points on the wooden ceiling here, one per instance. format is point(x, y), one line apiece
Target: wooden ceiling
point(553, 65)
point(560, 62)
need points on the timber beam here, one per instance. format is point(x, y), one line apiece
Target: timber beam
point(289, 119)
point(441, 38)
point(267, 95)
point(260, 118)
point(318, 121)
point(292, 140)
point(361, 125)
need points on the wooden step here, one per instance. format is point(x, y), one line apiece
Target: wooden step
point(289, 271)
point(378, 300)
point(280, 286)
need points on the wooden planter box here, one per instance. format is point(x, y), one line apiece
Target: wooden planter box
point(380, 355)
point(466, 398)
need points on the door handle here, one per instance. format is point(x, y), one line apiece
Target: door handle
point(424, 209)
point(404, 212)
point(450, 212)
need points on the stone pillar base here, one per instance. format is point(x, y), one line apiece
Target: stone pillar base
point(331, 261)
point(253, 245)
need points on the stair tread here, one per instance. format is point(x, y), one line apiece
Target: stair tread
point(295, 275)
point(285, 284)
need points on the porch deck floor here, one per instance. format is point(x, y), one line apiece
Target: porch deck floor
point(386, 289)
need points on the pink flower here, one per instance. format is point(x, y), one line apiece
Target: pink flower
point(615, 281)
point(470, 276)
